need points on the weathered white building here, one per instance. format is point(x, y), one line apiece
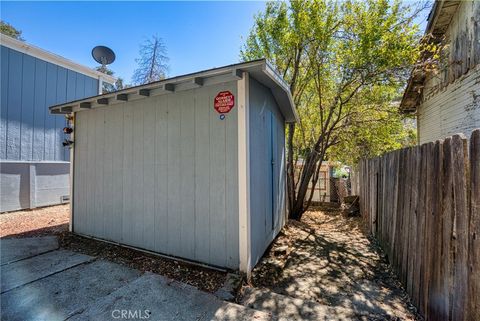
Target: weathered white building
point(447, 102)
point(191, 166)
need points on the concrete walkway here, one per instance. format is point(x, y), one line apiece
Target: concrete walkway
point(41, 282)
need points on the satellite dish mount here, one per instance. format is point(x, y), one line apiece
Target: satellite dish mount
point(103, 55)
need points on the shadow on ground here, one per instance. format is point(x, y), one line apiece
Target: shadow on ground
point(330, 260)
point(45, 231)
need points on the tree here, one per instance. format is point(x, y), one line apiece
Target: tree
point(11, 31)
point(153, 62)
point(345, 62)
point(106, 87)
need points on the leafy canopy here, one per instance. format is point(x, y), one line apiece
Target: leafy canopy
point(346, 62)
point(11, 31)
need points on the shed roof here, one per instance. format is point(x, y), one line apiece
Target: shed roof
point(259, 69)
point(34, 51)
point(439, 19)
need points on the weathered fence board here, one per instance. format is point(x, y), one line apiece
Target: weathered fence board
point(423, 206)
point(474, 230)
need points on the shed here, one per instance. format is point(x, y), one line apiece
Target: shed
point(192, 166)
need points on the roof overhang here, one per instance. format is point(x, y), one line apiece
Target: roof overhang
point(39, 53)
point(258, 69)
point(439, 19)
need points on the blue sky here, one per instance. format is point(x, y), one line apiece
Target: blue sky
point(198, 35)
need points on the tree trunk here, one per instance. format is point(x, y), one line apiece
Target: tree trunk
point(307, 173)
point(290, 169)
point(297, 208)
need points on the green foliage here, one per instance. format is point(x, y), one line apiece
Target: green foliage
point(11, 31)
point(345, 62)
point(118, 85)
point(355, 57)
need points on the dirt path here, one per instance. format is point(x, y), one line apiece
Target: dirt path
point(36, 222)
point(331, 261)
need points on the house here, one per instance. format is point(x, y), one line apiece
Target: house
point(191, 167)
point(34, 165)
point(448, 101)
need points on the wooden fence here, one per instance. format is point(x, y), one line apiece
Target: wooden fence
point(423, 206)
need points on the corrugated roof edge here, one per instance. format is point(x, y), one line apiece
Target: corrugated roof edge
point(260, 69)
point(47, 56)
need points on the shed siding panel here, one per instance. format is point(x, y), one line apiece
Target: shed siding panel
point(173, 177)
point(29, 85)
point(137, 179)
point(99, 152)
point(217, 183)
point(231, 186)
point(203, 103)
point(81, 163)
point(148, 176)
point(128, 214)
point(187, 165)
point(266, 125)
point(161, 176)
point(178, 176)
point(455, 109)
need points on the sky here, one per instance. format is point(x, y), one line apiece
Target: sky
point(198, 35)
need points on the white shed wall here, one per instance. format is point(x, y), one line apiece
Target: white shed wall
point(161, 174)
point(267, 169)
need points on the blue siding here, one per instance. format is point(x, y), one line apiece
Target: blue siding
point(4, 58)
point(267, 168)
point(40, 110)
point(14, 105)
point(27, 110)
point(28, 87)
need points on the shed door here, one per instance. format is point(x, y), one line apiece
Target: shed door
point(271, 164)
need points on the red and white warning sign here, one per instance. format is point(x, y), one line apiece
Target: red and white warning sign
point(224, 102)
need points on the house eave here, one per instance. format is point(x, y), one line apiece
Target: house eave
point(439, 19)
point(44, 55)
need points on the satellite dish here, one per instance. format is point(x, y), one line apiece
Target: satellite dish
point(103, 55)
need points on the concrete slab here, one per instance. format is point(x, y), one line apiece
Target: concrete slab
point(65, 294)
point(12, 250)
point(158, 298)
point(37, 267)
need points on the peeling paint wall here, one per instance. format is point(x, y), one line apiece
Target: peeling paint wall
point(451, 99)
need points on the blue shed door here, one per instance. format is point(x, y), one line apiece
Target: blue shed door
point(271, 163)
